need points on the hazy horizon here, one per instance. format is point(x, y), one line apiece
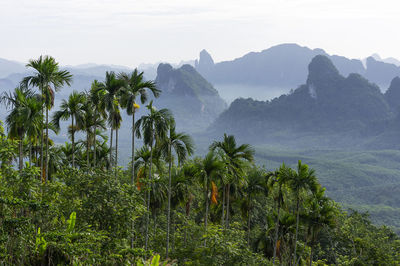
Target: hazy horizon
point(128, 33)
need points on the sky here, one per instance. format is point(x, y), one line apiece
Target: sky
point(129, 32)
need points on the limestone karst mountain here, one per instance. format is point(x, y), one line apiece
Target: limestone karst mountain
point(193, 100)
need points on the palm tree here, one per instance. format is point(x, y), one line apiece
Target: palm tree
point(153, 127)
point(182, 184)
point(278, 178)
point(107, 92)
point(206, 169)
point(47, 74)
point(72, 108)
point(96, 96)
point(256, 184)
point(183, 146)
point(320, 214)
point(134, 86)
point(302, 180)
point(234, 157)
point(24, 116)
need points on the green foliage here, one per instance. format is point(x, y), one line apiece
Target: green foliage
point(220, 209)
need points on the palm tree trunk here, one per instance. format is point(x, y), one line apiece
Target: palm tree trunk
point(73, 142)
point(133, 170)
point(94, 144)
point(185, 237)
point(311, 245)
point(47, 144)
point(223, 206)
point(169, 196)
point(20, 160)
point(30, 154)
point(297, 229)
point(206, 214)
point(133, 149)
point(111, 142)
point(148, 196)
point(248, 224)
point(116, 150)
point(227, 205)
point(173, 230)
point(276, 230)
point(42, 139)
point(87, 149)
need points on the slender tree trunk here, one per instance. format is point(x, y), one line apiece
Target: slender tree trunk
point(206, 214)
point(185, 237)
point(227, 205)
point(223, 206)
point(42, 142)
point(297, 229)
point(111, 143)
point(133, 150)
point(21, 159)
point(47, 144)
point(94, 143)
point(311, 246)
point(169, 195)
point(116, 150)
point(248, 224)
point(277, 228)
point(173, 230)
point(87, 149)
point(30, 154)
point(133, 171)
point(73, 142)
point(148, 196)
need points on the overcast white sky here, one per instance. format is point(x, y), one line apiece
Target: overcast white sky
point(128, 32)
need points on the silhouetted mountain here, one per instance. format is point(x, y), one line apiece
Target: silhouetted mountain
point(282, 65)
point(392, 95)
point(192, 99)
point(8, 67)
point(381, 72)
point(327, 104)
point(389, 60)
point(285, 66)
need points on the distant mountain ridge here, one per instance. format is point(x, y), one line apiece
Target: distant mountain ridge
point(328, 104)
point(285, 65)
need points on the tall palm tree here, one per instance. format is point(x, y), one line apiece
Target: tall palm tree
point(278, 178)
point(96, 96)
point(206, 169)
point(182, 184)
point(135, 86)
point(303, 179)
point(320, 214)
point(183, 146)
point(24, 117)
point(234, 157)
point(153, 127)
point(72, 108)
point(47, 74)
point(256, 184)
point(108, 92)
